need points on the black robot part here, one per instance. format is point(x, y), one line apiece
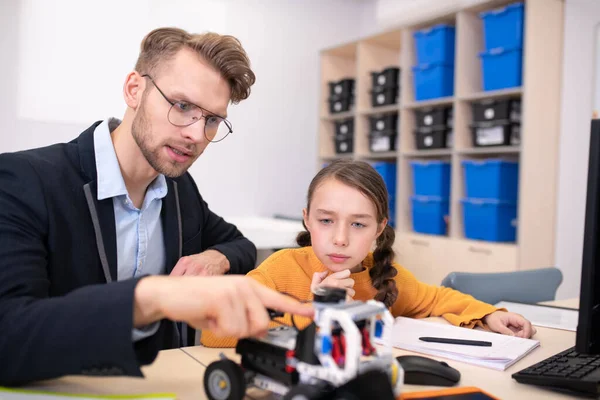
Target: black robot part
point(329, 295)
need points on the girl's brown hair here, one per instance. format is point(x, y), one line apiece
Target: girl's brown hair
point(363, 177)
point(223, 52)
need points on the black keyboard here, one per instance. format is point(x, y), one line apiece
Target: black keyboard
point(566, 370)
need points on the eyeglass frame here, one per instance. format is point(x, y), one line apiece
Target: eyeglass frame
point(202, 109)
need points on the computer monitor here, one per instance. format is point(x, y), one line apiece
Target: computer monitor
point(588, 327)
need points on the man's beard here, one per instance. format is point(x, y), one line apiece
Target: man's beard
point(141, 130)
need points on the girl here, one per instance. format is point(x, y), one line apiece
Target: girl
point(346, 212)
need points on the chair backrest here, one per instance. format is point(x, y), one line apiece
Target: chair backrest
point(530, 286)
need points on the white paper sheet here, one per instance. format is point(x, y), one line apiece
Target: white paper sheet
point(546, 316)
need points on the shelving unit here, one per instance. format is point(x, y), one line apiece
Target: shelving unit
point(491, 151)
point(427, 153)
point(493, 94)
point(380, 110)
point(432, 257)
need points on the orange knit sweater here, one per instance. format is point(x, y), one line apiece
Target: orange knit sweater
point(291, 270)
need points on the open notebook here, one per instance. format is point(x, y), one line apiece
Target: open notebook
point(504, 352)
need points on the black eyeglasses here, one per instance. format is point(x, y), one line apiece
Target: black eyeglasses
point(183, 113)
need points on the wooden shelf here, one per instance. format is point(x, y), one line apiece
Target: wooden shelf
point(427, 153)
point(432, 257)
point(337, 157)
point(493, 94)
point(378, 156)
point(336, 117)
point(442, 101)
point(347, 50)
point(484, 244)
point(491, 150)
point(412, 235)
point(389, 39)
point(380, 110)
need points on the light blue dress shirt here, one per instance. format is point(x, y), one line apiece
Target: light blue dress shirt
point(140, 246)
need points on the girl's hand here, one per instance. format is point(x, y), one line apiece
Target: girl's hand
point(339, 279)
point(509, 323)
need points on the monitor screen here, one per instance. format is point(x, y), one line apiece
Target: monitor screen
point(588, 327)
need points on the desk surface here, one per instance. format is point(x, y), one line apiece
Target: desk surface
point(498, 383)
point(181, 372)
point(568, 303)
point(173, 371)
point(268, 233)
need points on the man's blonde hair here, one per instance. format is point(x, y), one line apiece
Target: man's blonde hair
point(223, 52)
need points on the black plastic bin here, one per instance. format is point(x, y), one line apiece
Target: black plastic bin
point(384, 122)
point(339, 104)
point(433, 116)
point(344, 143)
point(381, 141)
point(389, 77)
point(497, 110)
point(344, 127)
point(496, 133)
point(435, 137)
point(384, 96)
point(341, 88)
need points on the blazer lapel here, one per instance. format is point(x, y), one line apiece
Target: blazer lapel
point(102, 212)
point(103, 219)
point(171, 223)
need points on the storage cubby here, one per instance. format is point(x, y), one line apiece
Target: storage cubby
point(379, 73)
point(493, 112)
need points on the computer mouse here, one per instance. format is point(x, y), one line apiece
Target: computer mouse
point(420, 370)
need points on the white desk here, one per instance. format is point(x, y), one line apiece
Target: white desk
point(173, 371)
point(268, 233)
point(181, 372)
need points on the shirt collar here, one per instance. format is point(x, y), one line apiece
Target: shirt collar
point(110, 179)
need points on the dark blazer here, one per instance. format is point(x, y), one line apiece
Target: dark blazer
point(62, 310)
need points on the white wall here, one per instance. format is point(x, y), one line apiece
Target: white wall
point(579, 73)
point(407, 12)
point(64, 62)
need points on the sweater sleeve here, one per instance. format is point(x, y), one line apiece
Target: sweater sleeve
point(209, 339)
point(420, 300)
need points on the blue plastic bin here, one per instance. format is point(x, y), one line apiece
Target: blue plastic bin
point(431, 178)
point(490, 220)
point(503, 27)
point(392, 205)
point(492, 179)
point(502, 68)
point(387, 170)
point(435, 44)
point(428, 214)
point(433, 80)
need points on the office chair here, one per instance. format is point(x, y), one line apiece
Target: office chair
point(531, 286)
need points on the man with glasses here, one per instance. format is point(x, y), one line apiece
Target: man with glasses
point(91, 229)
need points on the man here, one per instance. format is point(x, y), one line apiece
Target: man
point(83, 224)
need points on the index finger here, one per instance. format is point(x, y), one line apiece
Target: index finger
point(341, 274)
point(281, 302)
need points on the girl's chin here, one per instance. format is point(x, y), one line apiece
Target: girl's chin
point(337, 267)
